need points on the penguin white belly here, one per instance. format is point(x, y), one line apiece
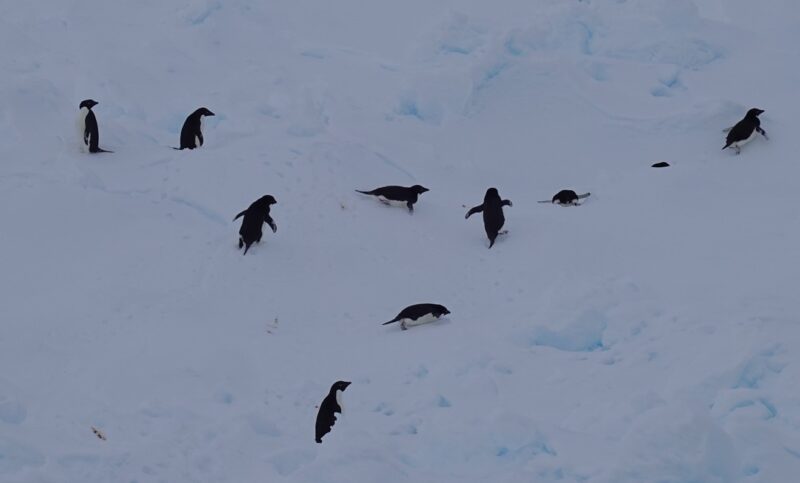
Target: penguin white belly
point(739, 144)
point(425, 319)
point(80, 123)
point(197, 138)
point(339, 399)
point(391, 202)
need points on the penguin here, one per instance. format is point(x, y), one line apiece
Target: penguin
point(254, 217)
point(332, 404)
point(398, 195)
point(661, 164)
point(567, 198)
point(418, 314)
point(87, 123)
point(492, 209)
point(745, 130)
point(192, 130)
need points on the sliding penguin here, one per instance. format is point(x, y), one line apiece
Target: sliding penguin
point(87, 123)
point(331, 405)
point(745, 130)
point(192, 130)
point(397, 195)
point(492, 209)
point(418, 314)
point(254, 217)
point(567, 198)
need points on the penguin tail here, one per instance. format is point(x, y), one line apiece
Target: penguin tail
point(246, 247)
point(726, 146)
point(365, 192)
point(584, 196)
point(545, 201)
point(390, 322)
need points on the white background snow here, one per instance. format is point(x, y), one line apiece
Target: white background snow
point(650, 335)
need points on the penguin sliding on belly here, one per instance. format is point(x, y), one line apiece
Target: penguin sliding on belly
point(418, 314)
point(567, 198)
point(87, 124)
point(745, 130)
point(192, 130)
point(397, 195)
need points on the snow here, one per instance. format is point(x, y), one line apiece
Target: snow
point(649, 335)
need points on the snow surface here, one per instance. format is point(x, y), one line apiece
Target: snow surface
point(650, 335)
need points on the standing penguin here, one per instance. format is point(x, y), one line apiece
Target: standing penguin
point(418, 314)
point(87, 123)
point(254, 217)
point(493, 218)
point(192, 130)
point(397, 195)
point(331, 405)
point(745, 130)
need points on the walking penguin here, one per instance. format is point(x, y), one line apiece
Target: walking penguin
point(254, 217)
point(745, 130)
point(493, 218)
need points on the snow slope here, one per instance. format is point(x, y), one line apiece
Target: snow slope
point(648, 336)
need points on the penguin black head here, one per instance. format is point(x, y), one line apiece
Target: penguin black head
point(339, 386)
point(754, 112)
point(268, 199)
point(443, 310)
point(88, 104)
point(491, 194)
point(419, 189)
point(203, 112)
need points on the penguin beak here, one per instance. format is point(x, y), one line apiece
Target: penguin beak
point(346, 383)
point(210, 114)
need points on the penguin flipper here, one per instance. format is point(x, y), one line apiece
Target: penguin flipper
point(239, 215)
point(472, 211)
